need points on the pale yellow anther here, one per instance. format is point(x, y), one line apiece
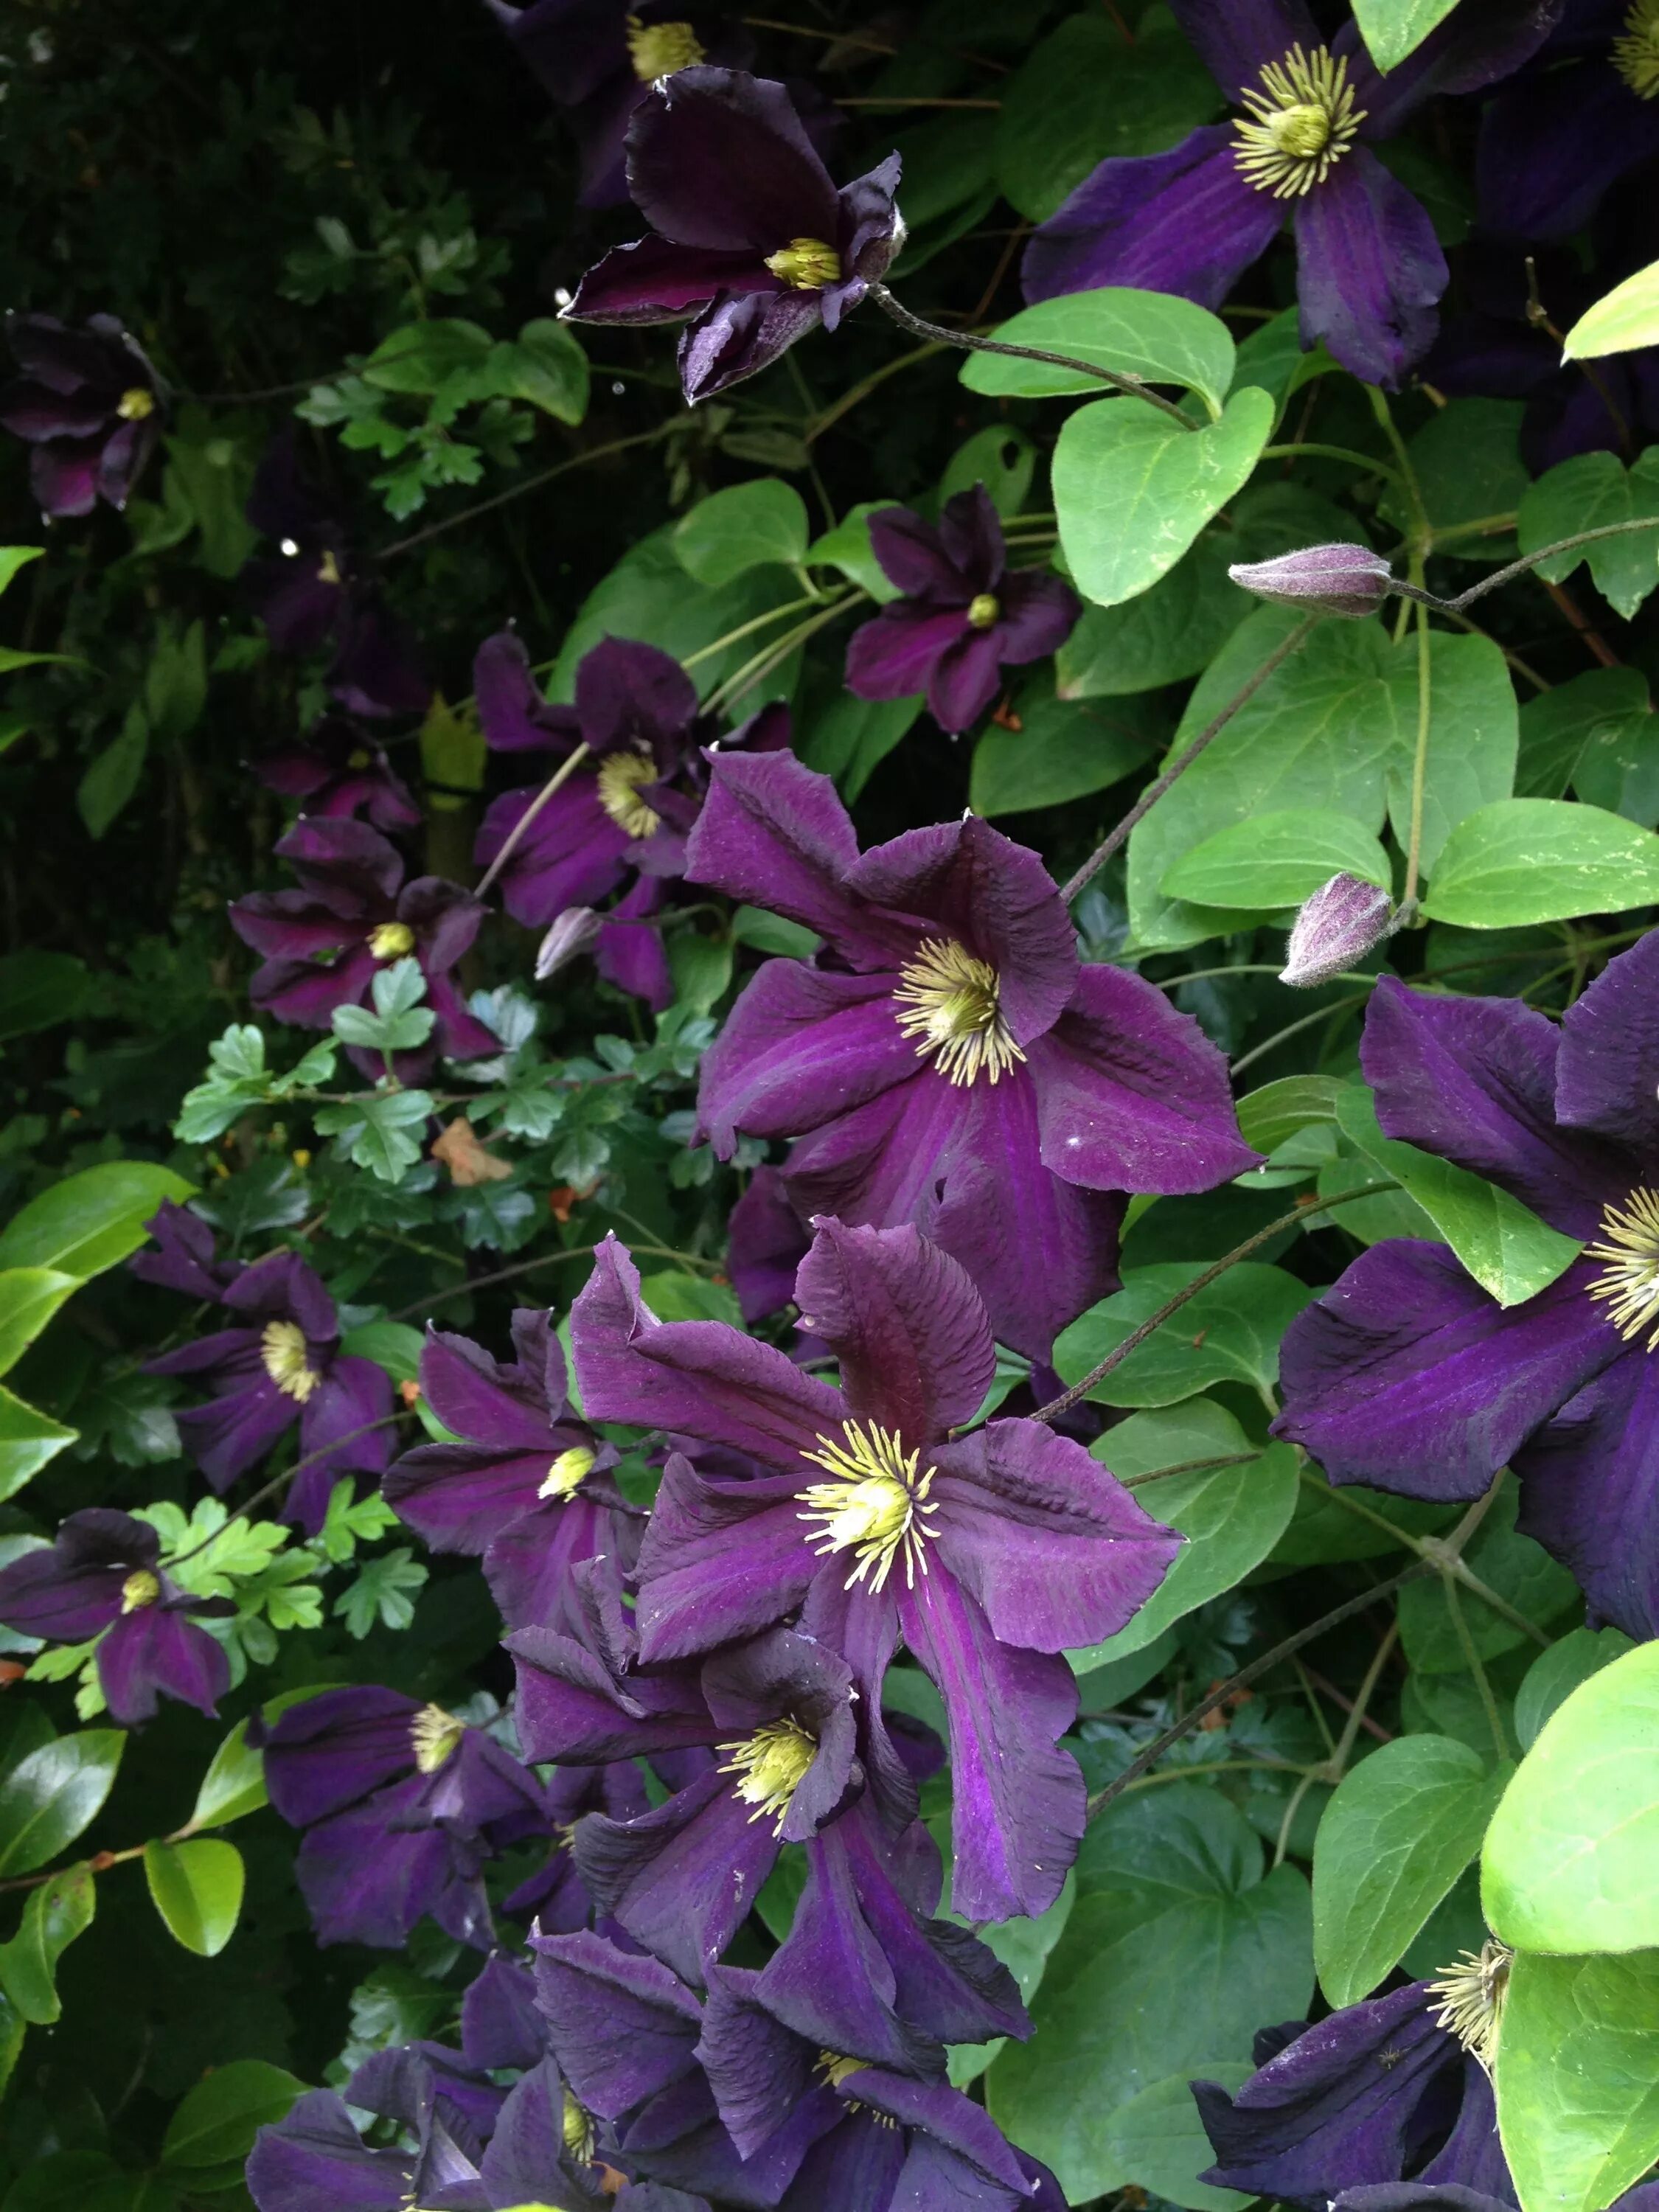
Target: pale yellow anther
point(875, 1506)
point(140, 1589)
point(984, 609)
point(1302, 121)
point(283, 1350)
point(772, 1764)
point(566, 1472)
point(620, 779)
point(392, 940)
point(950, 1004)
point(657, 50)
point(136, 405)
point(1635, 50)
point(435, 1737)
point(806, 265)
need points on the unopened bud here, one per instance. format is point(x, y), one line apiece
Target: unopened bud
point(1331, 579)
point(571, 934)
point(1338, 926)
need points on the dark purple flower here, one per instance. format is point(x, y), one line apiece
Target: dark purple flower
point(750, 237)
point(186, 1255)
point(401, 1804)
point(556, 1898)
point(1002, 1551)
point(88, 402)
point(958, 1067)
point(324, 944)
point(965, 616)
point(1551, 142)
point(1341, 923)
point(765, 1245)
point(1329, 580)
point(528, 1487)
point(103, 1577)
point(282, 1364)
point(1369, 267)
point(339, 768)
point(1408, 1376)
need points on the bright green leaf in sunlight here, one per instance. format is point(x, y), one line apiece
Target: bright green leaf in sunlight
point(1578, 2078)
point(198, 1890)
point(1620, 321)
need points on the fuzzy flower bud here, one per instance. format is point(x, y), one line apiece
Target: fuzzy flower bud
point(1338, 926)
point(1331, 579)
point(571, 933)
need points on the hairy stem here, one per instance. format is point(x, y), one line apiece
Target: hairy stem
point(515, 835)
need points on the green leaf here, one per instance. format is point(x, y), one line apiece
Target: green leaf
point(421, 356)
point(701, 969)
point(1542, 859)
point(1000, 458)
point(1473, 735)
point(1158, 2139)
point(1586, 493)
point(216, 2122)
point(29, 1296)
point(376, 1131)
point(1277, 861)
point(850, 739)
point(53, 1915)
point(1510, 1253)
point(392, 1345)
point(1230, 1516)
point(1601, 720)
point(72, 2181)
point(1510, 1565)
point(196, 1888)
point(1063, 750)
point(92, 1220)
point(1393, 29)
point(49, 1797)
point(1024, 1947)
point(1577, 2079)
point(234, 1784)
point(38, 990)
point(28, 1440)
point(1152, 335)
point(675, 1295)
point(773, 932)
point(113, 777)
point(847, 547)
point(1401, 1828)
point(1621, 320)
point(175, 683)
point(547, 367)
point(1280, 1110)
point(1554, 1675)
point(13, 557)
point(1132, 490)
point(383, 1591)
point(1569, 1860)
point(1228, 1333)
point(742, 527)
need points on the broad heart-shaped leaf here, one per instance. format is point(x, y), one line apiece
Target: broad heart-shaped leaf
point(1281, 1110)
point(1473, 735)
point(90, 1221)
point(1277, 861)
point(38, 990)
point(1063, 750)
point(1171, 1901)
point(218, 2119)
point(850, 739)
point(28, 1439)
point(1393, 29)
point(1624, 318)
point(1554, 1675)
point(1542, 859)
point(198, 1890)
point(1510, 1253)
point(1401, 1828)
point(1578, 2078)
point(1155, 336)
point(1599, 722)
point(29, 1296)
point(847, 547)
point(1228, 1333)
point(53, 1915)
point(1024, 1947)
point(741, 528)
point(392, 1345)
point(1158, 2139)
point(1230, 1516)
point(1002, 459)
point(1570, 1858)
point(1586, 493)
point(49, 1797)
point(1132, 489)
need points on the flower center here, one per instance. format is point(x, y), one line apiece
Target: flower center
point(806, 265)
point(1636, 50)
point(1302, 122)
point(773, 1764)
point(140, 1589)
point(1629, 1285)
point(392, 940)
point(952, 1007)
point(983, 609)
point(282, 1348)
point(874, 1505)
point(833, 2068)
point(136, 403)
point(328, 570)
point(436, 1736)
point(622, 778)
point(658, 49)
point(566, 1472)
point(1472, 1995)
point(578, 2131)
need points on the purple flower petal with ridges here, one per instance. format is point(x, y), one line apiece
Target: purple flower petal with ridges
point(1369, 270)
point(1607, 1073)
point(1590, 1493)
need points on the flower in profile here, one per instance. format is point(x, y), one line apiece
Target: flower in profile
point(964, 616)
point(1407, 1376)
point(1343, 921)
point(186, 1255)
point(339, 768)
point(281, 1366)
point(958, 1066)
point(750, 237)
point(1326, 580)
point(1552, 142)
point(529, 1485)
point(990, 1553)
point(1369, 267)
point(88, 402)
point(353, 915)
point(401, 1805)
point(103, 1577)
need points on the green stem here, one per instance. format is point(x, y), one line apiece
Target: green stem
point(431, 1298)
point(1529, 561)
point(1494, 1718)
point(756, 669)
point(743, 629)
point(1295, 1029)
point(1369, 462)
point(515, 835)
point(1420, 763)
point(518, 490)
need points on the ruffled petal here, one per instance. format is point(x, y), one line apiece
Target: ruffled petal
point(739, 337)
point(623, 2027)
point(1590, 1493)
point(799, 1048)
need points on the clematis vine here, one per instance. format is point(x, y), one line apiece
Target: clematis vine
point(958, 1067)
point(990, 1553)
point(750, 237)
point(964, 616)
point(1369, 267)
point(88, 402)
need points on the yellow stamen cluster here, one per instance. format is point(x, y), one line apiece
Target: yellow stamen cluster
point(984, 609)
point(1629, 1285)
point(874, 1506)
point(772, 1763)
point(566, 1472)
point(1472, 1995)
point(806, 265)
point(952, 1007)
point(136, 405)
point(832, 2070)
point(392, 940)
point(621, 777)
point(1302, 121)
point(578, 2131)
point(140, 1589)
point(1636, 50)
point(283, 1349)
point(436, 1736)
point(658, 49)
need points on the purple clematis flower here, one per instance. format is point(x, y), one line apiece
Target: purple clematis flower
point(750, 236)
point(337, 768)
point(103, 1577)
point(958, 1067)
point(282, 1364)
point(1369, 267)
point(1408, 1376)
point(1554, 142)
point(765, 1245)
point(556, 1898)
point(529, 1485)
point(88, 402)
point(964, 617)
point(992, 1554)
point(324, 944)
point(401, 1804)
point(187, 1257)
